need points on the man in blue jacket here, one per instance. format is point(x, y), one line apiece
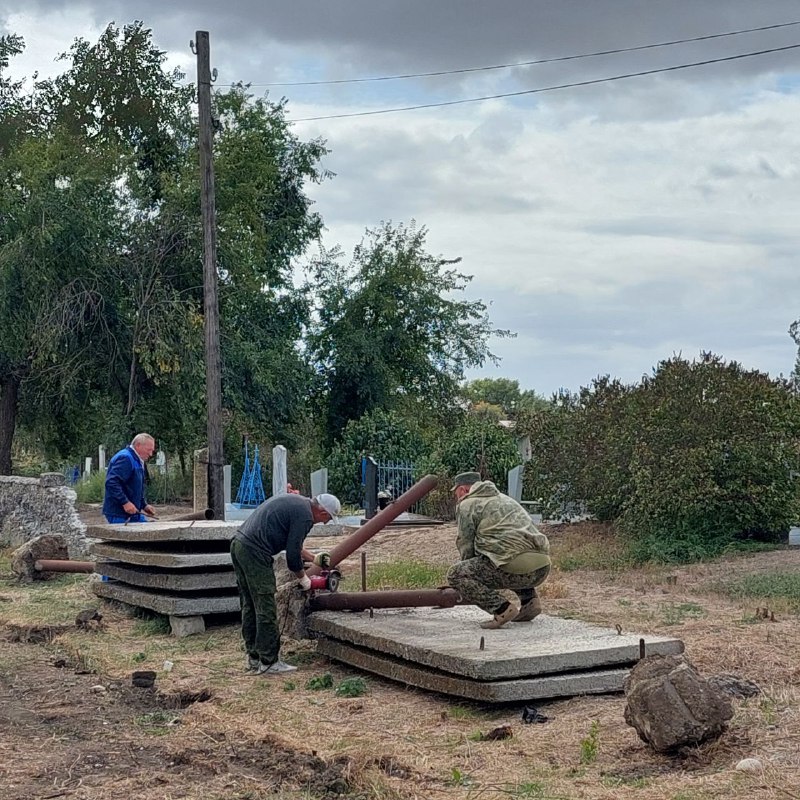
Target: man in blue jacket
point(125, 499)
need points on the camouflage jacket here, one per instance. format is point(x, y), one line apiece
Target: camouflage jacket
point(494, 525)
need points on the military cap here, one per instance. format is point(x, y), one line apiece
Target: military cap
point(466, 479)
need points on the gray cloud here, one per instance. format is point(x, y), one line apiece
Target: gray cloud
point(419, 34)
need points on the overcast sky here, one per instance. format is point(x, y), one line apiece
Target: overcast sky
point(610, 226)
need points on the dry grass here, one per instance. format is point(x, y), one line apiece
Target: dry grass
point(396, 743)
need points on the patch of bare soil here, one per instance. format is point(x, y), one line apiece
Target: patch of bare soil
point(68, 734)
point(207, 731)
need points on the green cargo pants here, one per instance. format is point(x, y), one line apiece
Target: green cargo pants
point(478, 579)
point(256, 580)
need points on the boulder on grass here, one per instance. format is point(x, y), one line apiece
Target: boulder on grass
point(50, 547)
point(671, 705)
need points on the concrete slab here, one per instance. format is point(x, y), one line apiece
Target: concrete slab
point(448, 639)
point(176, 581)
point(169, 604)
point(157, 558)
point(197, 530)
point(509, 691)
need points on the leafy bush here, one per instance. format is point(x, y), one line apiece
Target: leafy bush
point(713, 463)
point(380, 434)
point(694, 460)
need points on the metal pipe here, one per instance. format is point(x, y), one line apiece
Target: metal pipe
point(363, 571)
point(207, 513)
point(48, 565)
point(401, 598)
point(379, 521)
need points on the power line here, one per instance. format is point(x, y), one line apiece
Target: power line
point(536, 61)
point(540, 90)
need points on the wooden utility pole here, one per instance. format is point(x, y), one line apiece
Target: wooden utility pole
point(216, 498)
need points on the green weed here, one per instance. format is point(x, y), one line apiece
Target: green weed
point(769, 708)
point(676, 613)
point(351, 687)
point(152, 625)
point(462, 712)
point(531, 789)
point(458, 778)
point(289, 686)
point(590, 744)
point(319, 682)
point(406, 575)
point(156, 722)
point(783, 586)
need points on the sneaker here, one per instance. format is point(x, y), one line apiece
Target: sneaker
point(253, 663)
point(275, 669)
point(504, 614)
point(529, 611)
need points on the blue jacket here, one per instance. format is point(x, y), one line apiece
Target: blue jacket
point(125, 482)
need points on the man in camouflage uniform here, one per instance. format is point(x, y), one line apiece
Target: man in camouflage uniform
point(501, 549)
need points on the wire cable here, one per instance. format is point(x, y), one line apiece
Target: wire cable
point(553, 60)
point(542, 89)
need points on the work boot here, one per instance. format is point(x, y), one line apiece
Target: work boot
point(504, 614)
point(278, 668)
point(253, 663)
point(529, 610)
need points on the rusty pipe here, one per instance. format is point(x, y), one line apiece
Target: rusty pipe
point(379, 521)
point(390, 598)
point(49, 565)
point(207, 513)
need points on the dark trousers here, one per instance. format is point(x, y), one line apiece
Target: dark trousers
point(478, 579)
point(256, 580)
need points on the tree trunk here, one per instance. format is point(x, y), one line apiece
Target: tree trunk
point(9, 398)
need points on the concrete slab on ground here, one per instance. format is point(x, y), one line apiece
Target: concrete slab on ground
point(176, 580)
point(157, 558)
point(448, 639)
point(197, 530)
point(568, 684)
point(168, 604)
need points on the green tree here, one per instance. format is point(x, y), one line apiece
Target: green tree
point(391, 332)
point(504, 393)
point(477, 443)
point(121, 334)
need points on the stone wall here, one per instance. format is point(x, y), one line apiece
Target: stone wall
point(31, 507)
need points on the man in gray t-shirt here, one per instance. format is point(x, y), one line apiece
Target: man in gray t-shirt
point(278, 524)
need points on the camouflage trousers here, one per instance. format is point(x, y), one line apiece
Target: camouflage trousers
point(256, 580)
point(478, 579)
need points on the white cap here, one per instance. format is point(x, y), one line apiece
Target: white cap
point(330, 503)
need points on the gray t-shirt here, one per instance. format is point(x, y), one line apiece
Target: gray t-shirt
point(280, 523)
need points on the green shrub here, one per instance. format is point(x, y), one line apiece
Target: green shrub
point(694, 461)
point(380, 434)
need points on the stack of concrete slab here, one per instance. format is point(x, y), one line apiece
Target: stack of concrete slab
point(180, 569)
point(445, 650)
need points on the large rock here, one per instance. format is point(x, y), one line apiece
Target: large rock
point(671, 705)
point(25, 557)
point(290, 601)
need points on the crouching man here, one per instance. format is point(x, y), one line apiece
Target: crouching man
point(500, 548)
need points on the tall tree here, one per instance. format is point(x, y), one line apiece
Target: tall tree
point(504, 393)
point(391, 332)
point(100, 233)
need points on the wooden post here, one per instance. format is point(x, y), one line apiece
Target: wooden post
point(216, 495)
